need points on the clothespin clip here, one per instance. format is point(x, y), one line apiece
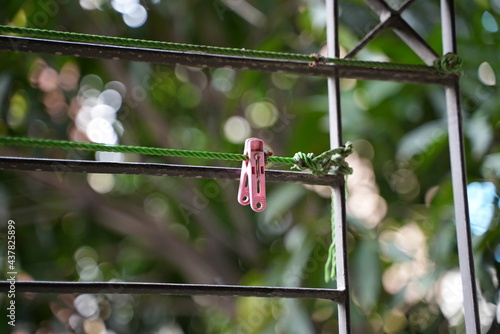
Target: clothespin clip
point(253, 180)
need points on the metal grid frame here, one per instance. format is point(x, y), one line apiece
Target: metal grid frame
point(389, 18)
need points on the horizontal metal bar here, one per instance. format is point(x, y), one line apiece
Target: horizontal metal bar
point(172, 289)
point(197, 59)
point(140, 168)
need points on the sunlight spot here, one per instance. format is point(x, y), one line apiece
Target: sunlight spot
point(223, 79)
point(236, 129)
point(489, 22)
point(86, 305)
point(103, 111)
point(91, 4)
point(262, 114)
point(486, 74)
point(100, 130)
point(69, 75)
point(481, 207)
point(91, 81)
point(450, 297)
point(156, 206)
point(135, 16)
point(94, 326)
point(101, 183)
point(110, 156)
point(48, 79)
point(111, 98)
point(121, 6)
point(497, 253)
point(117, 86)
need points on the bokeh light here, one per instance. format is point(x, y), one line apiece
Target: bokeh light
point(364, 201)
point(481, 207)
point(101, 183)
point(236, 129)
point(95, 116)
point(489, 22)
point(91, 4)
point(486, 74)
point(223, 79)
point(134, 14)
point(496, 253)
point(450, 300)
point(87, 305)
point(262, 114)
point(407, 248)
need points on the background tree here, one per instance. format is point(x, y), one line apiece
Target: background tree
point(138, 228)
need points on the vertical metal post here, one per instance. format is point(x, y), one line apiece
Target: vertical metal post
point(459, 177)
point(338, 193)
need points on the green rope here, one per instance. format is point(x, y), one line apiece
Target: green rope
point(449, 63)
point(48, 143)
point(319, 165)
point(331, 261)
point(120, 41)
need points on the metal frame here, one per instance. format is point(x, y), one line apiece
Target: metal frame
point(338, 193)
point(155, 169)
point(459, 177)
point(389, 18)
point(198, 59)
point(175, 289)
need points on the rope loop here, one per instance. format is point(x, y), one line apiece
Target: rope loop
point(329, 162)
point(449, 63)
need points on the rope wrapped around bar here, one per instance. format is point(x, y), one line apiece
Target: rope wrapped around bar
point(329, 162)
point(449, 63)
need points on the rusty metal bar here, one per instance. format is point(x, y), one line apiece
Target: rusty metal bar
point(338, 193)
point(172, 289)
point(155, 169)
point(197, 59)
point(459, 178)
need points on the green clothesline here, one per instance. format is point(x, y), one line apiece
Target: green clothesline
point(449, 63)
point(329, 162)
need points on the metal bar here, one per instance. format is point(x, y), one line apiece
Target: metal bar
point(414, 40)
point(196, 59)
point(403, 30)
point(171, 289)
point(368, 37)
point(140, 168)
point(338, 193)
point(459, 178)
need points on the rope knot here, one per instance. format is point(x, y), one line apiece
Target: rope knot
point(329, 162)
point(449, 63)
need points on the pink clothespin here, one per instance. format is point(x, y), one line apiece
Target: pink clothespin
point(253, 180)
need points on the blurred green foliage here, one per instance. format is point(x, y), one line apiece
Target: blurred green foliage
point(402, 245)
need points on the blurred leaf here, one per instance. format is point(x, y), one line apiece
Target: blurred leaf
point(280, 200)
point(480, 134)
point(420, 139)
point(367, 273)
